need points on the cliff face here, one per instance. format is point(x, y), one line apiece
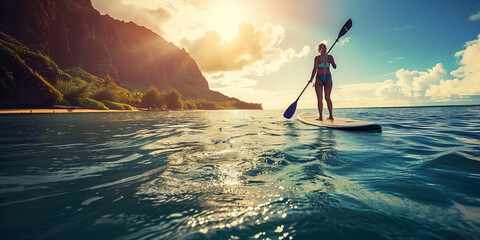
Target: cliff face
point(74, 34)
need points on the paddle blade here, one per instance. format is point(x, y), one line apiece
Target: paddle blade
point(290, 110)
point(345, 28)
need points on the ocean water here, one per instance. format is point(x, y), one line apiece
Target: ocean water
point(240, 175)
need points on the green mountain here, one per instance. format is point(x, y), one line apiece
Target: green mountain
point(21, 86)
point(44, 41)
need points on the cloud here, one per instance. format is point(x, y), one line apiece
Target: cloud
point(274, 60)
point(255, 48)
point(415, 83)
point(382, 54)
point(474, 17)
point(409, 87)
point(355, 94)
point(467, 76)
point(414, 87)
point(395, 59)
point(403, 28)
point(344, 41)
point(235, 84)
point(172, 19)
point(228, 45)
point(150, 18)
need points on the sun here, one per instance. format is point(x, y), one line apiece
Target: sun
point(225, 18)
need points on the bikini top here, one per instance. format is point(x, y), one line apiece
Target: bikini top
point(321, 65)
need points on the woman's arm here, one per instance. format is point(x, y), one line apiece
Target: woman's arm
point(333, 62)
point(314, 71)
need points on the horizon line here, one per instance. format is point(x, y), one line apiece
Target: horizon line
point(413, 106)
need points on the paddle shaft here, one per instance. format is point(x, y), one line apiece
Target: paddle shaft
point(291, 109)
point(332, 46)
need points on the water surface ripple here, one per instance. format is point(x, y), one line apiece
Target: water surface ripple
point(240, 175)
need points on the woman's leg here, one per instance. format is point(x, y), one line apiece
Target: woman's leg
point(318, 90)
point(328, 91)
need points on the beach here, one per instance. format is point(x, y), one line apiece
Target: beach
point(43, 111)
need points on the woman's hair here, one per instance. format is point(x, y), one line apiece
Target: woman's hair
point(322, 49)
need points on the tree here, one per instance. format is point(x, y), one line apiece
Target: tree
point(173, 99)
point(152, 98)
point(136, 96)
point(71, 92)
point(190, 105)
point(107, 81)
point(205, 104)
point(104, 94)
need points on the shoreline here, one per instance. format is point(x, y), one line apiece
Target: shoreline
point(63, 111)
point(59, 110)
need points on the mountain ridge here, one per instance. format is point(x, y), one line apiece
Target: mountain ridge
point(74, 34)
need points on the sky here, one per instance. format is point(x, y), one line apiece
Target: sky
point(397, 53)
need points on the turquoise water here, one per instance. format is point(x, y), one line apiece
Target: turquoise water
point(240, 175)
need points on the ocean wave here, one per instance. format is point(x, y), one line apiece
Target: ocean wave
point(241, 175)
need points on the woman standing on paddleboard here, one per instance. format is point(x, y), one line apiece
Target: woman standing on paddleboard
point(323, 81)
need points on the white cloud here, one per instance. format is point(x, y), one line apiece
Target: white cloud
point(253, 51)
point(417, 87)
point(467, 76)
point(234, 84)
point(217, 37)
point(414, 83)
point(344, 41)
point(360, 95)
point(148, 17)
point(403, 28)
point(273, 61)
point(395, 59)
point(474, 17)
point(231, 53)
point(382, 54)
point(232, 67)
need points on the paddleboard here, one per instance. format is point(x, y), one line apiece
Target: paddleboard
point(338, 123)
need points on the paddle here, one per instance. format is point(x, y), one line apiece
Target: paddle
point(291, 109)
